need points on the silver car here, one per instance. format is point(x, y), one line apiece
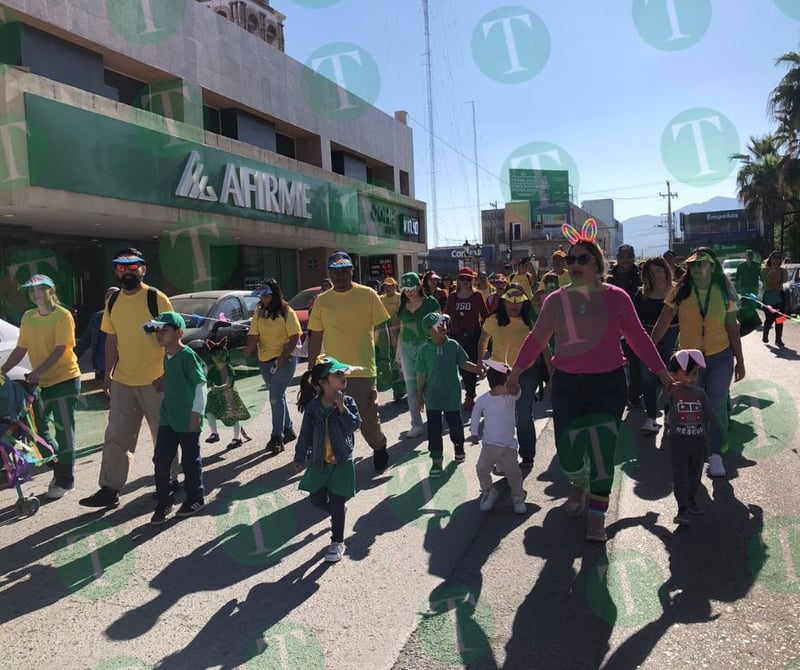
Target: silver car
point(9, 334)
point(792, 288)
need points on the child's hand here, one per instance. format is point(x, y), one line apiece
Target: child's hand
point(158, 384)
point(194, 422)
point(299, 467)
point(474, 439)
point(421, 400)
point(340, 400)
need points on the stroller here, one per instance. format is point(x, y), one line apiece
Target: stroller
point(21, 448)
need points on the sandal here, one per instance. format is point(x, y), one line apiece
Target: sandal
point(576, 502)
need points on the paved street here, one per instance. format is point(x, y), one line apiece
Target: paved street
point(427, 580)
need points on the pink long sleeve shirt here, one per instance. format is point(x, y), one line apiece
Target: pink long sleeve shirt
point(588, 327)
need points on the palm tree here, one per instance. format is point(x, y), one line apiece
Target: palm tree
point(757, 183)
point(784, 102)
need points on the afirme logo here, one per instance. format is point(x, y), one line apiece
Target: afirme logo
point(287, 646)
point(353, 76)
point(511, 45)
point(456, 626)
point(792, 9)
point(145, 21)
point(539, 156)
point(696, 147)
point(14, 171)
point(672, 25)
point(622, 588)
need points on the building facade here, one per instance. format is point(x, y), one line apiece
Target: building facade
point(727, 232)
point(174, 128)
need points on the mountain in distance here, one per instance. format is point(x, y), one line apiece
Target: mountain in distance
point(648, 234)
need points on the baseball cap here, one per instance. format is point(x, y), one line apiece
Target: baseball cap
point(668, 252)
point(514, 295)
point(389, 281)
point(165, 319)
point(435, 320)
point(410, 280)
point(560, 252)
point(498, 277)
point(466, 272)
point(699, 256)
point(340, 259)
point(333, 366)
point(625, 249)
point(39, 280)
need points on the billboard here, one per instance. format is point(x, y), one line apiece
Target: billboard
point(546, 190)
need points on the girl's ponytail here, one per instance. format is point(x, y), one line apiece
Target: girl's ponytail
point(308, 388)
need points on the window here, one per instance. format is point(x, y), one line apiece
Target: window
point(272, 34)
point(231, 308)
point(516, 232)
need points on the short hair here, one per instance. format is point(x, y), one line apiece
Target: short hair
point(129, 251)
point(495, 377)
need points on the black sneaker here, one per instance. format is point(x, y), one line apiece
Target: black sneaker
point(694, 508)
point(289, 435)
point(105, 497)
point(459, 456)
point(380, 459)
point(189, 508)
point(275, 445)
point(682, 517)
point(526, 463)
point(160, 515)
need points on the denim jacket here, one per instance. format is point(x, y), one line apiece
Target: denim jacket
point(310, 445)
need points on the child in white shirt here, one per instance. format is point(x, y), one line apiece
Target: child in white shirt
point(499, 442)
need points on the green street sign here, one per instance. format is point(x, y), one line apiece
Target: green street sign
point(546, 190)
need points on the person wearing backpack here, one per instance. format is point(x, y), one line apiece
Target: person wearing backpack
point(134, 368)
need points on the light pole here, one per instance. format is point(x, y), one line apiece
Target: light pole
point(473, 251)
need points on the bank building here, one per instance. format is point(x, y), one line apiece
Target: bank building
point(181, 127)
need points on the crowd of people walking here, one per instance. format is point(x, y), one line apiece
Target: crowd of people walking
point(658, 333)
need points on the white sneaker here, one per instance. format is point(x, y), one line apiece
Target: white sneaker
point(650, 426)
point(488, 499)
point(335, 552)
point(416, 431)
point(55, 492)
point(520, 507)
point(715, 466)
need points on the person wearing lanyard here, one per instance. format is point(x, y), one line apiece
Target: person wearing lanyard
point(705, 302)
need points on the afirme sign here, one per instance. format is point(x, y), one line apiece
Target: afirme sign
point(546, 190)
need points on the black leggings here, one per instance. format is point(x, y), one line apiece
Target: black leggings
point(769, 319)
point(469, 341)
point(333, 505)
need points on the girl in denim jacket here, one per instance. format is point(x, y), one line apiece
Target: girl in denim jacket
point(325, 444)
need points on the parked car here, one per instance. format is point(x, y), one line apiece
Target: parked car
point(212, 315)
point(9, 334)
point(729, 266)
point(302, 304)
point(792, 288)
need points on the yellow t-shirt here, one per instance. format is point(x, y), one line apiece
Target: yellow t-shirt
point(391, 303)
point(486, 292)
point(690, 321)
point(141, 360)
point(506, 340)
point(347, 318)
point(273, 333)
point(41, 334)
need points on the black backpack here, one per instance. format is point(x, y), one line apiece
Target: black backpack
point(152, 301)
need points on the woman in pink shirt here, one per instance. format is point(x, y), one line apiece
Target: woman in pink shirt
point(589, 389)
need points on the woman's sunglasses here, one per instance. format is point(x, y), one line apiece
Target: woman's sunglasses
point(583, 259)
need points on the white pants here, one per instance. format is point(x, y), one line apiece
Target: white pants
point(506, 458)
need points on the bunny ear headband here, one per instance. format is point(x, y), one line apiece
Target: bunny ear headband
point(683, 356)
point(587, 234)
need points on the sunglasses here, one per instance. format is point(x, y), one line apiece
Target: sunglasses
point(583, 259)
point(123, 267)
point(464, 279)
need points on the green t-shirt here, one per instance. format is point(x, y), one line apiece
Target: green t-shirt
point(182, 373)
point(440, 366)
point(747, 276)
point(411, 328)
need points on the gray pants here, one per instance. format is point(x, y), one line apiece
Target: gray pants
point(506, 458)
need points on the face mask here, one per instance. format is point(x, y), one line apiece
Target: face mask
point(130, 282)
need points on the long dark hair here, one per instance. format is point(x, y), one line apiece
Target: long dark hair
point(425, 289)
point(276, 306)
point(686, 284)
point(527, 309)
point(647, 281)
point(309, 386)
point(404, 299)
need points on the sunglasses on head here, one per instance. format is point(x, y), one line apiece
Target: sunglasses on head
point(122, 267)
point(583, 259)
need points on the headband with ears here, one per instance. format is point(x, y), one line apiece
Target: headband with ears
point(222, 344)
point(588, 232)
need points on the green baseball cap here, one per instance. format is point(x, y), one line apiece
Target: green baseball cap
point(165, 319)
point(410, 280)
point(435, 320)
point(333, 366)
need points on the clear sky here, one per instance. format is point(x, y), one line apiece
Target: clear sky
point(624, 93)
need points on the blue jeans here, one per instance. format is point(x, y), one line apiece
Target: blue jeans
point(650, 382)
point(56, 404)
point(716, 380)
point(526, 431)
point(166, 449)
point(278, 382)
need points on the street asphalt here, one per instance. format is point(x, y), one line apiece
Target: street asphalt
point(427, 580)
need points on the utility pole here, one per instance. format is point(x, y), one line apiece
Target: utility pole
point(431, 143)
point(477, 180)
point(669, 195)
